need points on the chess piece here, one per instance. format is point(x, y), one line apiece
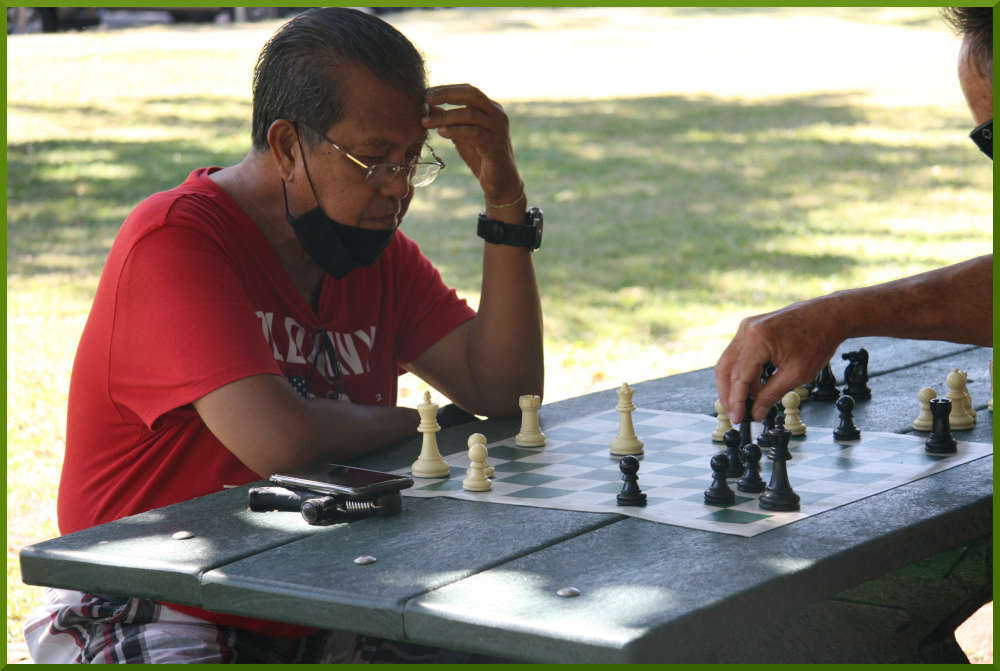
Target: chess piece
point(531, 434)
point(429, 464)
point(779, 423)
point(475, 477)
point(723, 425)
point(845, 429)
point(779, 495)
point(803, 392)
point(856, 375)
point(962, 416)
point(825, 386)
point(765, 374)
point(719, 493)
point(941, 441)
point(764, 439)
point(626, 441)
point(732, 442)
point(745, 430)
point(924, 420)
point(793, 422)
point(630, 495)
point(989, 403)
point(481, 439)
point(751, 480)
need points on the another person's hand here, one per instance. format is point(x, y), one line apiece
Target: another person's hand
point(480, 130)
point(798, 340)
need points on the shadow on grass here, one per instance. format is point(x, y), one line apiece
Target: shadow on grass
point(664, 193)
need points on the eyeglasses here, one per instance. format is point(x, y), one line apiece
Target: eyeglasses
point(983, 137)
point(417, 173)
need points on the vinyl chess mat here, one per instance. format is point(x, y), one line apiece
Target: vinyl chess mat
point(575, 471)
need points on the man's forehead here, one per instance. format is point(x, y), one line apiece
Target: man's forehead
point(378, 143)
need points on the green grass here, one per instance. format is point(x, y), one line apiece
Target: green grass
point(676, 203)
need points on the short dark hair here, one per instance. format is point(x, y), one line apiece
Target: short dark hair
point(297, 76)
point(976, 23)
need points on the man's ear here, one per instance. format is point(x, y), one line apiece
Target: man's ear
point(284, 147)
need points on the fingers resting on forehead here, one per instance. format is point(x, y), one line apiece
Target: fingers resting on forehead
point(460, 94)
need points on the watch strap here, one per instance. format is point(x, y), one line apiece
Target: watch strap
point(498, 232)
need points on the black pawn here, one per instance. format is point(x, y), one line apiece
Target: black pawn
point(767, 372)
point(779, 423)
point(764, 439)
point(630, 495)
point(941, 441)
point(825, 386)
point(856, 375)
point(845, 429)
point(779, 495)
point(731, 439)
point(746, 436)
point(751, 481)
point(719, 492)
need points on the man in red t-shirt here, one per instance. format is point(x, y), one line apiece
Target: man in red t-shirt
point(255, 318)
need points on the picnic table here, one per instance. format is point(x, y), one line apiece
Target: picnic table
point(884, 579)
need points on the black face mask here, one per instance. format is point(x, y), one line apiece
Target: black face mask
point(336, 248)
point(983, 137)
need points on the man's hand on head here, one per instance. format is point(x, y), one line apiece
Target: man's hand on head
point(480, 130)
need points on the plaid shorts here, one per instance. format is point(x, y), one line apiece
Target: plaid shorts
point(74, 627)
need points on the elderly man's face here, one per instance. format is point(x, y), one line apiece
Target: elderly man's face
point(977, 88)
point(380, 124)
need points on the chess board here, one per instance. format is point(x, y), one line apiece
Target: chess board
point(575, 471)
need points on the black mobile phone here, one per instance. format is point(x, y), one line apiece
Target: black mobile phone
point(346, 480)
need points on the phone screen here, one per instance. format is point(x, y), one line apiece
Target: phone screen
point(334, 478)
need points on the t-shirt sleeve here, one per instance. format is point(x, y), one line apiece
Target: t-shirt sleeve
point(430, 308)
point(183, 324)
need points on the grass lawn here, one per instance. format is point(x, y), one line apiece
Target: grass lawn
point(695, 166)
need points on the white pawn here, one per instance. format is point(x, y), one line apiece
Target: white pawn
point(531, 434)
point(724, 423)
point(429, 464)
point(793, 423)
point(961, 416)
point(968, 396)
point(475, 478)
point(989, 403)
point(626, 441)
point(802, 391)
point(481, 439)
point(925, 420)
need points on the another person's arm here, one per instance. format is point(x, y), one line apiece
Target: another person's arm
point(954, 303)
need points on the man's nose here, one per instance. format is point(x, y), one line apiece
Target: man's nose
point(396, 185)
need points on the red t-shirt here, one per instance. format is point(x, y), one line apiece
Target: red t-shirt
point(193, 297)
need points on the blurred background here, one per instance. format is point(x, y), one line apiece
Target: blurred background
point(695, 165)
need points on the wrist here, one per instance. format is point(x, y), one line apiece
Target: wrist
point(509, 199)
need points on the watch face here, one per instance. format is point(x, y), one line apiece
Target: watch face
point(537, 221)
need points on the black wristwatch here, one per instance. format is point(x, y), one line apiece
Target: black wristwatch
point(528, 234)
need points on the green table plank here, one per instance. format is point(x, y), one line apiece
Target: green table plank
point(657, 593)
point(432, 543)
point(138, 556)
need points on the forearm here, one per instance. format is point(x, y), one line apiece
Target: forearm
point(337, 431)
point(505, 354)
point(270, 428)
point(954, 303)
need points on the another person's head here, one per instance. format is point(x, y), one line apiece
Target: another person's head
point(298, 75)
point(975, 60)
